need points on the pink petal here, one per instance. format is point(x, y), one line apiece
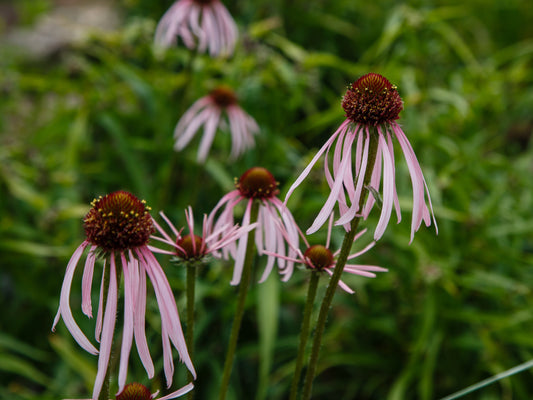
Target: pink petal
point(107, 330)
point(210, 130)
point(184, 138)
point(185, 389)
point(100, 314)
point(139, 281)
point(241, 248)
point(350, 214)
point(167, 306)
point(388, 188)
point(64, 303)
point(127, 334)
point(396, 201)
point(341, 284)
point(86, 283)
point(307, 169)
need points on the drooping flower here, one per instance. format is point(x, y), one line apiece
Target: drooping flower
point(192, 247)
point(372, 106)
point(258, 184)
point(208, 112)
point(137, 391)
point(118, 226)
point(320, 258)
point(204, 25)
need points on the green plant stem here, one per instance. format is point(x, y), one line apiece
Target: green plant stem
point(304, 332)
point(337, 272)
point(191, 285)
point(241, 300)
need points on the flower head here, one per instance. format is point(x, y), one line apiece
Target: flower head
point(191, 247)
point(258, 184)
point(320, 258)
point(372, 105)
point(205, 25)
point(372, 100)
point(137, 391)
point(208, 112)
point(118, 227)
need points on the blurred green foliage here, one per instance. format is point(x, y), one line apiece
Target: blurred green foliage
point(98, 116)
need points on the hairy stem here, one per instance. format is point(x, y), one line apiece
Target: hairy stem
point(304, 332)
point(241, 300)
point(337, 272)
point(191, 285)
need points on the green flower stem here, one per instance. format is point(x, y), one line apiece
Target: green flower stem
point(304, 332)
point(191, 285)
point(337, 272)
point(241, 300)
point(104, 393)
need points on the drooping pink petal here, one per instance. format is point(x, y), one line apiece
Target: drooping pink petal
point(375, 180)
point(161, 286)
point(396, 201)
point(184, 137)
point(307, 169)
point(101, 305)
point(388, 188)
point(107, 329)
point(86, 283)
point(241, 248)
point(334, 194)
point(64, 303)
point(167, 28)
point(228, 26)
point(127, 333)
point(191, 114)
point(363, 270)
point(354, 208)
point(341, 284)
point(268, 229)
point(139, 283)
point(417, 180)
point(210, 130)
point(180, 392)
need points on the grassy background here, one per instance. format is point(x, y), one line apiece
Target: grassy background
point(93, 117)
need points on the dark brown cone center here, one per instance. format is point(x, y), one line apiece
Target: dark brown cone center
point(372, 100)
point(193, 247)
point(223, 96)
point(257, 182)
point(320, 257)
point(134, 391)
point(204, 2)
point(118, 221)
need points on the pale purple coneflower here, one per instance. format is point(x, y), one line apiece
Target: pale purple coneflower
point(258, 184)
point(119, 226)
point(208, 112)
point(191, 247)
point(320, 258)
point(204, 25)
point(372, 106)
point(137, 391)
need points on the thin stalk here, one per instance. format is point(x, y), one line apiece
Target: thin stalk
point(337, 272)
point(191, 285)
point(241, 300)
point(304, 332)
